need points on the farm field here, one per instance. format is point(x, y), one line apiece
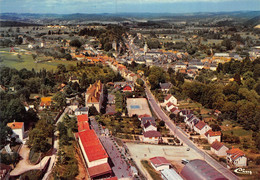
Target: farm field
point(26, 61)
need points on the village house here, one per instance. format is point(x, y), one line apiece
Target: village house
point(144, 120)
point(81, 110)
point(236, 157)
point(191, 120)
point(148, 126)
point(170, 98)
point(213, 136)
point(201, 127)
point(153, 137)
point(169, 106)
point(94, 95)
point(218, 148)
point(160, 163)
point(45, 102)
point(128, 88)
point(165, 87)
point(18, 130)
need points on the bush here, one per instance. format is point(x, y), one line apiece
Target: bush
point(257, 161)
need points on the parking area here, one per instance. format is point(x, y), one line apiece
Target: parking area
point(174, 154)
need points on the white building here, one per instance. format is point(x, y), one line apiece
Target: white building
point(201, 128)
point(213, 136)
point(236, 157)
point(170, 98)
point(18, 130)
point(160, 163)
point(149, 127)
point(152, 137)
point(218, 148)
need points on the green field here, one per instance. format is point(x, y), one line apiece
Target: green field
point(26, 61)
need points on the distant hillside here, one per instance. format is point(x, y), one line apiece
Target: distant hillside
point(241, 16)
point(15, 24)
point(253, 22)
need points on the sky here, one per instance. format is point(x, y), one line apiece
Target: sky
point(119, 6)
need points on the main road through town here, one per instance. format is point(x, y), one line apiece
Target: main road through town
point(182, 137)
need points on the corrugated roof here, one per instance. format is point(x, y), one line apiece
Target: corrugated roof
point(15, 125)
point(199, 169)
point(159, 161)
point(92, 146)
point(171, 174)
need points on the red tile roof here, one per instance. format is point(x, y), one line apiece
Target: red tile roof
point(169, 104)
point(200, 125)
point(99, 170)
point(235, 153)
point(143, 115)
point(216, 145)
point(112, 178)
point(159, 161)
point(152, 134)
point(15, 125)
point(127, 88)
point(212, 133)
point(83, 125)
point(168, 97)
point(82, 118)
point(92, 146)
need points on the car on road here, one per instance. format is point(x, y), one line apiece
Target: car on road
point(187, 149)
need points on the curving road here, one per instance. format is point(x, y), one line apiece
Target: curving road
point(182, 137)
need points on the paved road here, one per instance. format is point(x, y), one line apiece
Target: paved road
point(157, 109)
point(55, 148)
point(121, 168)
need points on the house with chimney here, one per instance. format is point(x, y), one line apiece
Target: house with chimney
point(94, 95)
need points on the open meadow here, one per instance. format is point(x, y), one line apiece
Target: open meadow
point(24, 59)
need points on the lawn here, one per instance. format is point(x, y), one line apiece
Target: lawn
point(26, 61)
point(151, 170)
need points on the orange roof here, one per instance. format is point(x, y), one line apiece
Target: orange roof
point(94, 91)
point(235, 153)
point(99, 170)
point(212, 133)
point(92, 146)
point(46, 101)
point(82, 118)
point(15, 125)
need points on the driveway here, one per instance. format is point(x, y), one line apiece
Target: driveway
point(24, 165)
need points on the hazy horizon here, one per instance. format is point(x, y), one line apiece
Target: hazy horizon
point(126, 6)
